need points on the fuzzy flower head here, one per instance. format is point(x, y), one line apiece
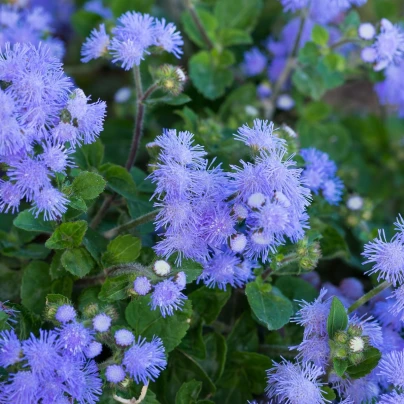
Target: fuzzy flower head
point(124, 337)
point(168, 38)
point(145, 360)
point(387, 258)
point(389, 44)
point(10, 348)
point(313, 316)
point(93, 349)
point(142, 285)
point(102, 322)
point(168, 297)
point(65, 313)
point(115, 373)
point(24, 388)
point(391, 367)
point(74, 337)
point(254, 62)
point(295, 383)
point(96, 44)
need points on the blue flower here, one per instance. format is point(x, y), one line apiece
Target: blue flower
point(168, 38)
point(65, 313)
point(96, 44)
point(115, 373)
point(10, 348)
point(22, 389)
point(74, 337)
point(145, 360)
point(102, 322)
point(124, 337)
point(142, 285)
point(167, 296)
point(254, 62)
point(391, 367)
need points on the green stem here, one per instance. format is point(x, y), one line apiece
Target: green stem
point(368, 296)
point(290, 65)
point(199, 25)
point(102, 211)
point(140, 110)
point(344, 41)
point(148, 217)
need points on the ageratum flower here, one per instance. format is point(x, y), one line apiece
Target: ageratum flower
point(23, 388)
point(145, 360)
point(391, 367)
point(142, 285)
point(295, 383)
point(75, 338)
point(96, 45)
point(254, 62)
point(65, 313)
point(167, 296)
point(115, 373)
point(393, 398)
point(10, 348)
point(124, 337)
point(387, 257)
point(40, 114)
point(102, 322)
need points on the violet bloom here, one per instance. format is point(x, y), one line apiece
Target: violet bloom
point(96, 45)
point(142, 285)
point(167, 296)
point(115, 373)
point(145, 360)
point(23, 388)
point(391, 367)
point(254, 62)
point(65, 313)
point(10, 348)
point(295, 383)
point(75, 338)
point(387, 258)
point(102, 322)
point(168, 38)
point(124, 337)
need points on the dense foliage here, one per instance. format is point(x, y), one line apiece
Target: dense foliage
point(200, 201)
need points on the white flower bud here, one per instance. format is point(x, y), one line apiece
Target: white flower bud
point(285, 102)
point(256, 200)
point(356, 344)
point(354, 202)
point(122, 95)
point(161, 268)
point(240, 211)
point(367, 31)
point(238, 242)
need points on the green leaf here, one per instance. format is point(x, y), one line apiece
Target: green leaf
point(210, 73)
point(238, 14)
point(340, 366)
point(232, 36)
point(309, 82)
point(67, 235)
point(77, 203)
point(10, 281)
point(309, 54)
point(337, 319)
point(243, 336)
point(119, 180)
point(147, 322)
point(179, 99)
point(316, 111)
point(243, 376)
point(320, 35)
point(77, 261)
point(95, 244)
point(188, 393)
point(88, 185)
point(208, 21)
point(216, 353)
point(208, 302)
point(193, 342)
point(116, 288)
point(27, 321)
point(27, 221)
point(371, 359)
point(35, 286)
point(296, 289)
point(191, 269)
point(122, 250)
point(332, 244)
point(271, 308)
point(328, 394)
point(56, 269)
point(89, 155)
point(63, 286)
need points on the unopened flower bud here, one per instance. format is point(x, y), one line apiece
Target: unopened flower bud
point(171, 79)
point(356, 344)
point(341, 353)
point(341, 337)
point(257, 200)
point(161, 268)
point(355, 330)
point(356, 358)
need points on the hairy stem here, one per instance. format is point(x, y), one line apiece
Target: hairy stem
point(289, 67)
point(102, 211)
point(368, 296)
point(140, 110)
point(199, 25)
point(148, 217)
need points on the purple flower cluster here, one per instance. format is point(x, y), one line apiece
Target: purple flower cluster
point(135, 36)
point(319, 175)
point(49, 372)
point(28, 26)
point(320, 11)
point(167, 295)
point(226, 221)
point(388, 47)
point(42, 120)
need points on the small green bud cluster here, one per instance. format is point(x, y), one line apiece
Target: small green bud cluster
point(171, 79)
point(308, 254)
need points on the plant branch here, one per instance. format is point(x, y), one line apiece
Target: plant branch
point(95, 222)
point(140, 109)
point(199, 25)
point(148, 217)
point(284, 76)
point(368, 296)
